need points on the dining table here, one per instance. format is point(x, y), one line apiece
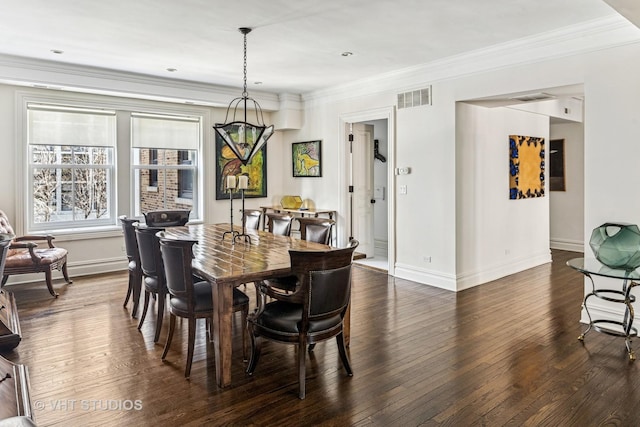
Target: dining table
point(227, 257)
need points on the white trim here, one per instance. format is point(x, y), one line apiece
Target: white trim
point(567, 245)
point(426, 277)
point(598, 34)
point(384, 113)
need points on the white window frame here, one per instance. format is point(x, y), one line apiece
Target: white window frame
point(123, 197)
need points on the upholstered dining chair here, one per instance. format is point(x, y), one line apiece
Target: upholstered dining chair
point(314, 312)
point(188, 299)
point(251, 218)
point(152, 273)
point(279, 224)
point(313, 230)
point(134, 266)
point(316, 229)
point(166, 218)
point(24, 256)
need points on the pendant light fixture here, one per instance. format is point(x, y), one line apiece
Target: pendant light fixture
point(242, 137)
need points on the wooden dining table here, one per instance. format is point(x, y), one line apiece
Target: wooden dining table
point(227, 264)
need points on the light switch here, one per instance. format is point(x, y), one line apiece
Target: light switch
point(378, 193)
point(403, 189)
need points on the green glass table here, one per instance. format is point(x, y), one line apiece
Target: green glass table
point(591, 267)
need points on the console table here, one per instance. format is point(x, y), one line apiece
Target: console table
point(332, 214)
point(621, 328)
point(14, 390)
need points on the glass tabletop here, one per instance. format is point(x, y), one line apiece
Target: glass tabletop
point(593, 266)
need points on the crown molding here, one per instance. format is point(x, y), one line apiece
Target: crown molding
point(23, 71)
point(590, 36)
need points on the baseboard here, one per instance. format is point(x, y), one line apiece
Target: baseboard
point(511, 266)
point(567, 245)
point(75, 269)
point(426, 277)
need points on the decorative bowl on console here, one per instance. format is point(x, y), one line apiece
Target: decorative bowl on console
point(617, 245)
point(291, 202)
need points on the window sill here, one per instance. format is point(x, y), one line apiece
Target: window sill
point(69, 235)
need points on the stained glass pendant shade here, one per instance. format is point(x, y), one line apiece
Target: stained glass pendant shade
point(244, 138)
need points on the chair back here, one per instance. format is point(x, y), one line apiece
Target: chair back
point(176, 258)
point(167, 218)
point(316, 229)
point(149, 247)
point(130, 241)
point(251, 218)
point(280, 224)
point(325, 280)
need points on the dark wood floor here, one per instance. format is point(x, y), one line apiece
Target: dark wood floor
point(504, 353)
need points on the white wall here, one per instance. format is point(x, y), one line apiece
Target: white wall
point(567, 207)
point(497, 236)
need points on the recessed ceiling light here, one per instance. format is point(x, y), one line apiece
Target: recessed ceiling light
point(172, 70)
point(57, 51)
point(347, 53)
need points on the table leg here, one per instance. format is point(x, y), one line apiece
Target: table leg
point(346, 326)
point(222, 312)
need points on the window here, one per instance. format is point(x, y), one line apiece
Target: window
point(153, 173)
point(71, 166)
point(164, 149)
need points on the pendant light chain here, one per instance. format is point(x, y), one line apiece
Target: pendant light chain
point(245, 94)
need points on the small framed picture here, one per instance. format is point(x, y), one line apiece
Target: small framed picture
point(307, 159)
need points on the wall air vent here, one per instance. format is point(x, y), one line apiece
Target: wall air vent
point(528, 97)
point(414, 98)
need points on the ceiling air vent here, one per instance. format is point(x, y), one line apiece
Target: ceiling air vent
point(414, 98)
point(528, 97)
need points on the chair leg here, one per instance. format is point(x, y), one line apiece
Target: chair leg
point(256, 345)
point(190, 346)
point(65, 273)
point(245, 313)
point(161, 300)
point(47, 275)
point(302, 355)
point(144, 309)
point(137, 290)
point(129, 289)
point(343, 354)
point(4, 279)
point(172, 326)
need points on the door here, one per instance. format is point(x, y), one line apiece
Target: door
point(361, 174)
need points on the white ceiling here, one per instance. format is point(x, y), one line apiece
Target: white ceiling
point(296, 45)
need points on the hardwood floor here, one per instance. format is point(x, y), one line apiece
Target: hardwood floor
point(504, 353)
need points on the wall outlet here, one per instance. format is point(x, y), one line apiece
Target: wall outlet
point(427, 259)
point(403, 189)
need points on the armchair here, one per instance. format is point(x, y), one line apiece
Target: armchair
point(314, 312)
point(25, 257)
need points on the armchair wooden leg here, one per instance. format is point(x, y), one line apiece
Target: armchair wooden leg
point(343, 354)
point(65, 273)
point(47, 275)
point(255, 353)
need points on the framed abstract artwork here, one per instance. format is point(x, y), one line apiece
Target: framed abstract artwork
point(227, 164)
point(307, 159)
point(526, 167)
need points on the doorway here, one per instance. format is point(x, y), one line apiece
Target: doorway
point(367, 171)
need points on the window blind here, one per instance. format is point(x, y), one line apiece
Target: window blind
point(168, 132)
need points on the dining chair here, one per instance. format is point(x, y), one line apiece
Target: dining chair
point(313, 313)
point(167, 217)
point(134, 267)
point(316, 229)
point(251, 218)
point(191, 300)
point(279, 224)
point(152, 272)
point(312, 229)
